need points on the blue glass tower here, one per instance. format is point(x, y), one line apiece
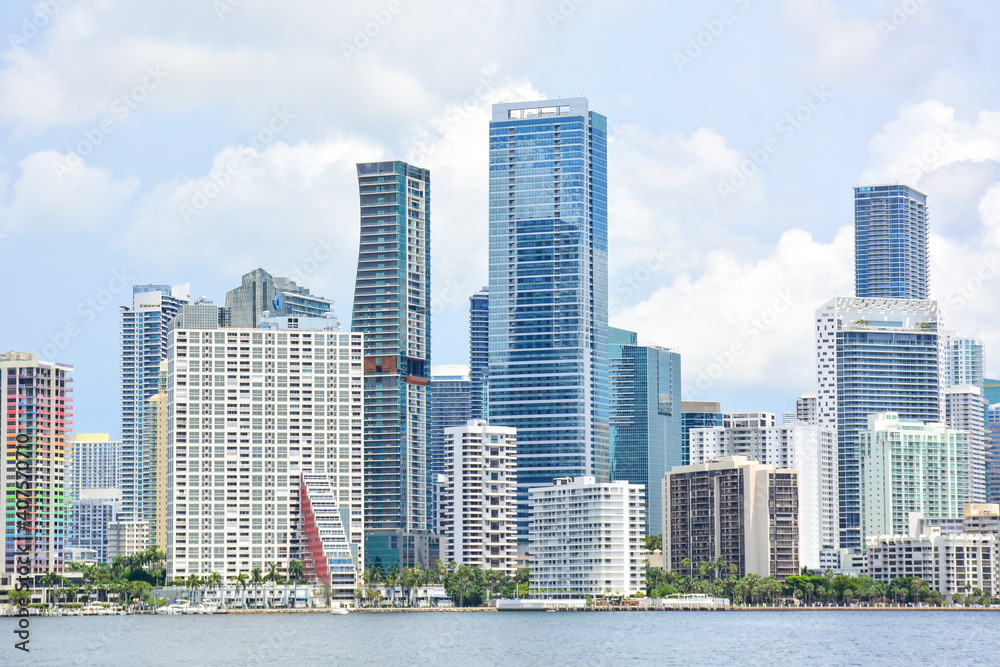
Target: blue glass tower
point(143, 345)
point(872, 356)
point(890, 242)
point(392, 310)
point(479, 350)
point(645, 417)
point(450, 395)
point(548, 290)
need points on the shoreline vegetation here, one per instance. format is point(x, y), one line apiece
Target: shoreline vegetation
point(617, 610)
point(125, 586)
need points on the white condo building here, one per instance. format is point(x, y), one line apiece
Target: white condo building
point(586, 537)
point(477, 504)
point(126, 538)
point(809, 449)
point(965, 410)
point(95, 462)
point(250, 411)
point(964, 360)
point(908, 466)
point(950, 563)
point(807, 407)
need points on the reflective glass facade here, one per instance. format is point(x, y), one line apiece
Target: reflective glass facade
point(278, 296)
point(450, 405)
point(548, 290)
point(873, 356)
point(391, 307)
point(890, 242)
point(992, 391)
point(479, 350)
point(645, 417)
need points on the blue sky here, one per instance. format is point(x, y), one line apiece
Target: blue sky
point(739, 128)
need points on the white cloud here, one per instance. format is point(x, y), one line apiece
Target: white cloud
point(888, 44)
point(840, 44)
point(261, 55)
point(665, 187)
point(747, 324)
point(290, 209)
point(927, 137)
point(56, 193)
point(956, 163)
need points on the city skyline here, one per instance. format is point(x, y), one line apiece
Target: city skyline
point(806, 124)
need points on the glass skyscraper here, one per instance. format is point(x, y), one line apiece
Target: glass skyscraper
point(890, 242)
point(479, 350)
point(392, 309)
point(450, 396)
point(645, 417)
point(548, 289)
point(261, 292)
point(144, 327)
point(874, 356)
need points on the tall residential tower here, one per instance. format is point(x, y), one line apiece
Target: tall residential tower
point(874, 356)
point(392, 309)
point(548, 292)
point(479, 350)
point(37, 424)
point(890, 242)
point(144, 327)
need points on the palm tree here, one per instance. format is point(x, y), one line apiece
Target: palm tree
point(462, 582)
point(49, 581)
point(686, 565)
point(273, 573)
point(241, 580)
point(720, 565)
point(256, 579)
point(296, 570)
point(193, 583)
point(412, 580)
point(214, 582)
point(391, 581)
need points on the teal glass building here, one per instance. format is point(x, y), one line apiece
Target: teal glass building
point(548, 289)
point(645, 417)
point(392, 310)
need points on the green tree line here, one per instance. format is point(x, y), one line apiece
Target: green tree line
point(468, 586)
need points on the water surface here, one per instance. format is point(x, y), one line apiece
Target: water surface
point(517, 638)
